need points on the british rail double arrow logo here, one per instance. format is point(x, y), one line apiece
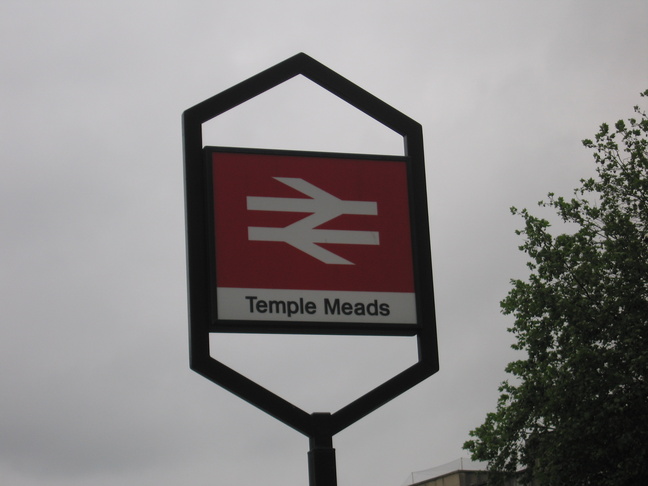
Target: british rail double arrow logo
point(303, 234)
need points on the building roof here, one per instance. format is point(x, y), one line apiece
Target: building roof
point(461, 464)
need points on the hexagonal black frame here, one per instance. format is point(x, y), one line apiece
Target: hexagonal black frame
point(319, 427)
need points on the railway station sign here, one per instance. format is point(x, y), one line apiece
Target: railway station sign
point(290, 242)
point(311, 237)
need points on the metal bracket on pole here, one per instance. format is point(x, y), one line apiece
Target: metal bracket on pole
point(321, 457)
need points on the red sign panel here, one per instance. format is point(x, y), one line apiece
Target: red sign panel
point(312, 237)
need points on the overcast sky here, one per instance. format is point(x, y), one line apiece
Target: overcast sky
point(94, 375)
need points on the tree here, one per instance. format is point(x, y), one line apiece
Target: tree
point(576, 410)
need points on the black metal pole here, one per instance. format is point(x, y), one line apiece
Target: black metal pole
point(321, 457)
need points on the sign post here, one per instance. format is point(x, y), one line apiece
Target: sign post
point(307, 243)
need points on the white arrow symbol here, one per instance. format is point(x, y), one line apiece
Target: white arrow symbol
point(302, 234)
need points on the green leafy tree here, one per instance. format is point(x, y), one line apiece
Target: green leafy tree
point(576, 409)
